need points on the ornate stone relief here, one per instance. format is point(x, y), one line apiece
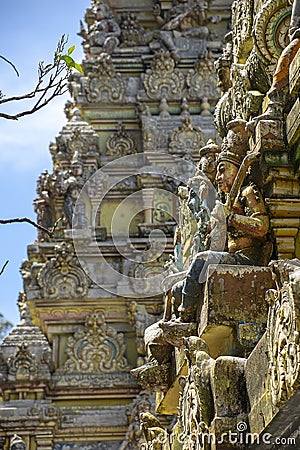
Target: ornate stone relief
point(242, 25)
point(76, 136)
point(132, 33)
point(95, 348)
point(270, 31)
point(202, 80)
point(120, 143)
point(283, 340)
point(103, 31)
point(163, 80)
point(186, 139)
point(25, 352)
point(42, 204)
point(134, 438)
point(103, 83)
point(63, 276)
point(140, 319)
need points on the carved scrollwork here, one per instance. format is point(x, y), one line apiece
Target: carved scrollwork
point(270, 31)
point(120, 143)
point(163, 80)
point(104, 84)
point(95, 348)
point(283, 343)
point(63, 276)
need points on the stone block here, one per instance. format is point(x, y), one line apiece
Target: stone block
point(268, 135)
point(235, 311)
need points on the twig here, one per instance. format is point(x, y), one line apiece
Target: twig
point(13, 66)
point(31, 222)
point(3, 267)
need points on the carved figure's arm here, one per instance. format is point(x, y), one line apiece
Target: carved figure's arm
point(256, 222)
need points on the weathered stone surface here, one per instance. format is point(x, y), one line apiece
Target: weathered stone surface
point(234, 299)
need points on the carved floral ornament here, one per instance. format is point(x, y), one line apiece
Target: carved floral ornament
point(103, 83)
point(283, 343)
point(163, 80)
point(95, 348)
point(63, 276)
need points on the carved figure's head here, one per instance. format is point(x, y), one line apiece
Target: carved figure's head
point(208, 159)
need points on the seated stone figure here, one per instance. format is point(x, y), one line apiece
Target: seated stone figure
point(247, 244)
point(247, 225)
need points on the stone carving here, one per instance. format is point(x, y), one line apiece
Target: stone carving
point(103, 83)
point(242, 25)
point(63, 276)
point(120, 143)
point(183, 25)
point(22, 366)
point(71, 188)
point(196, 402)
point(186, 139)
point(283, 338)
point(76, 136)
point(140, 319)
point(134, 438)
point(95, 348)
point(103, 31)
point(16, 443)
point(163, 80)
point(132, 33)
point(26, 353)
point(202, 80)
point(270, 31)
point(42, 204)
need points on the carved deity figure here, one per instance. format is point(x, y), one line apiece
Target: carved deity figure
point(247, 224)
point(42, 204)
point(72, 186)
point(134, 437)
point(103, 29)
point(247, 244)
point(183, 20)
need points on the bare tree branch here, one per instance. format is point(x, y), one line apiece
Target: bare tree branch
point(12, 64)
point(50, 232)
point(52, 82)
point(3, 267)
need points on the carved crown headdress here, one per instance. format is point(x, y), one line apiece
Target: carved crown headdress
point(235, 145)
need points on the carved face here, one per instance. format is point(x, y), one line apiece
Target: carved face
point(207, 165)
point(224, 81)
point(226, 173)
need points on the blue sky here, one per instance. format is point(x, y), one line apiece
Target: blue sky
point(29, 33)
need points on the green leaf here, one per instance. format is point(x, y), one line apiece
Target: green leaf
point(71, 50)
point(68, 60)
point(78, 67)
